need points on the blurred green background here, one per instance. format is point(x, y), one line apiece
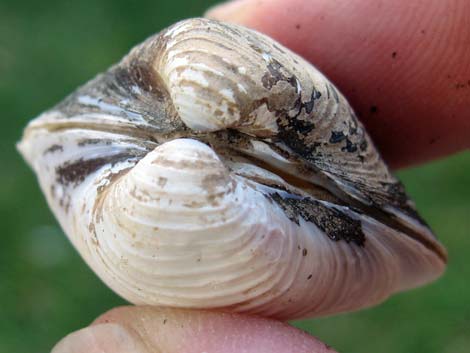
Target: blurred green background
point(47, 48)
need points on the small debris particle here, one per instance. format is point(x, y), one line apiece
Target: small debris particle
point(394, 54)
point(164, 321)
point(304, 252)
point(162, 181)
point(297, 26)
point(309, 276)
point(373, 109)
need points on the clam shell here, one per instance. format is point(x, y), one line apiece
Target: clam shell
point(214, 168)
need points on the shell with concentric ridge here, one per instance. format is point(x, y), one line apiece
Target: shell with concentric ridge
point(214, 168)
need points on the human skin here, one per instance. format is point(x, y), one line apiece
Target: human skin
point(403, 65)
point(147, 329)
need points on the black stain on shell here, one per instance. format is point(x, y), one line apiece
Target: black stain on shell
point(302, 126)
point(363, 145)
point(400, 200)
point(337, 136)
point(95, 141)
point(54, 148)
point(334, 223)
point(390, 194)
point(292, 132)
point(275, 74)
point(350, 147)
point(310, 104)
point(292, 129)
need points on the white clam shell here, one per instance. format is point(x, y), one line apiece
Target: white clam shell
point(213, 168)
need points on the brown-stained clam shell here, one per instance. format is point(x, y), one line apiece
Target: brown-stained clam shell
point(214, 168)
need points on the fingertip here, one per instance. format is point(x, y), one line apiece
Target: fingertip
point(175, 331)
point(101, 338)
point(237, 11)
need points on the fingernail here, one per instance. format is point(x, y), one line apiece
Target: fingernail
point(103, 338)
point(233, 11)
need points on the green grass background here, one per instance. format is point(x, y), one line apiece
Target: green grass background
point(47, 48)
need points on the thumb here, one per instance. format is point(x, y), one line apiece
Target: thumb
point(140, 329)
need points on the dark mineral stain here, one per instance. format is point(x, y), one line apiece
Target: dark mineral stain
point(275, 74)
point(309, 105)
point(352, 125)
point(400, 200)
point(290, 134)
point(363, 145)
point(303, 126)
point(54, 148)
point(350, 147)
point(293, 129)
point(75, 172)
point(334, 223)
point(390, 194)
point(95, 141)
point(337, 136)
